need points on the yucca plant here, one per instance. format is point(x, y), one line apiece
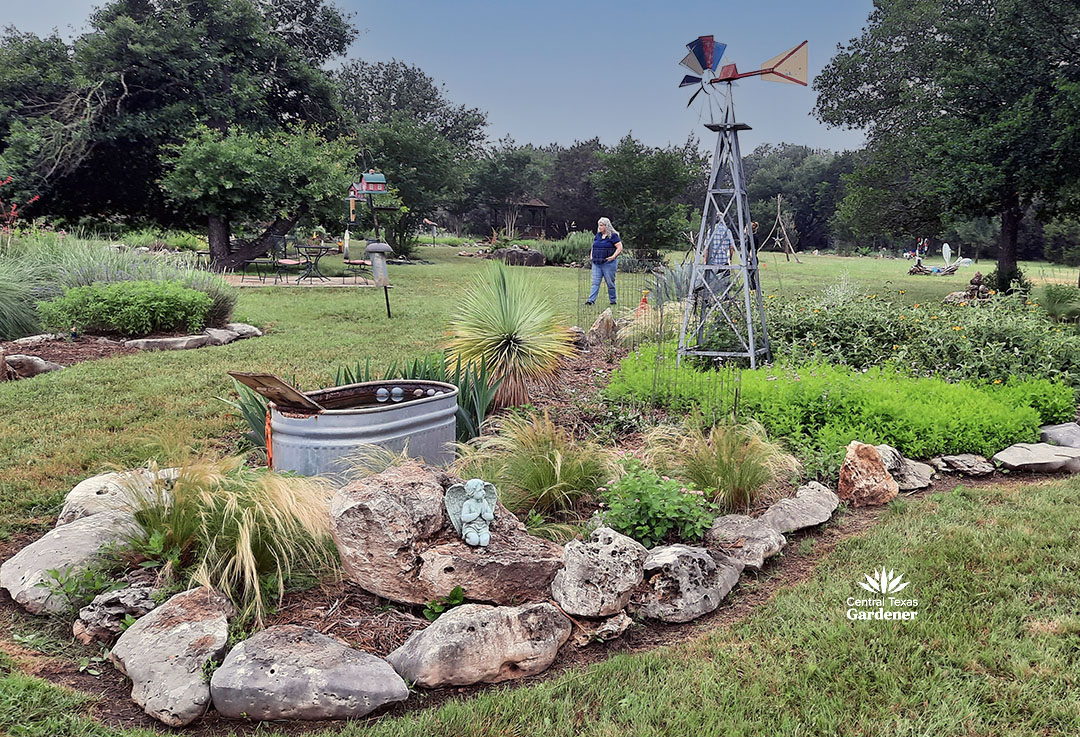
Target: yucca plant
point(506, 322)
point(536, 465)
point(237, 530)
point(729, 462)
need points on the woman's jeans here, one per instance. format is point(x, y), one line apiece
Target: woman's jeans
point(603, 272)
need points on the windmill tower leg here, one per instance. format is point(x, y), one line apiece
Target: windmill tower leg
point(724, 315)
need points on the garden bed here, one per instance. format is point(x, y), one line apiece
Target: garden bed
point(371, 624)
point(67, 352)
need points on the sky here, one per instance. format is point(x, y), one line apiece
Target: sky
point(559, 71)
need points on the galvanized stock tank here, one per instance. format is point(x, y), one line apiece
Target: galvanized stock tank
point(395, 414)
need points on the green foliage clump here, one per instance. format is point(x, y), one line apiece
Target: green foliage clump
point(131, 308)
point(1061, 302)
point(574, 248)
point(79, 586)
point(818, 408)
point(237, 530)
point(653, 509)
point(1007, 337)
point(536, 465)
point(442, 604)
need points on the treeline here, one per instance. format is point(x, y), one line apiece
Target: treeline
point(243, 118)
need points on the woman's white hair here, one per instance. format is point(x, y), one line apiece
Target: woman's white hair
point(609, 229)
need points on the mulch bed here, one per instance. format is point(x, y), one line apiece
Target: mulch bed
point(68, 352)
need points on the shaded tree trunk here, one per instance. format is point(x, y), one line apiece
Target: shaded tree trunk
point(256, 247)
point(219, 234)
point(1011, 214)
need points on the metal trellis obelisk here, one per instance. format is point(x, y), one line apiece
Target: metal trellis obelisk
point(725, 314)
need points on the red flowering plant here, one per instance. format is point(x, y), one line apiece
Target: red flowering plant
point(9, 213)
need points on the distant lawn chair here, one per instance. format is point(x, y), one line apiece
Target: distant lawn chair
point(262, 264)
point(354, 267)
point(284, 260)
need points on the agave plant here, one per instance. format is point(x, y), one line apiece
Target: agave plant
point(506, 323)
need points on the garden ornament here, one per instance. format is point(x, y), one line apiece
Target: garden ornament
point(471, 507)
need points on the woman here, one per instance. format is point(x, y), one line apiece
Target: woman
point(606, 248)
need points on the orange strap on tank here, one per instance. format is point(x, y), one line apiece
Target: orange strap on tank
point(269, 443)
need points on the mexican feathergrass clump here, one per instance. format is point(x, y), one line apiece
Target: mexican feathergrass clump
point(538, 466)
point(506, 323)
point(731, 463)
point(241, 531)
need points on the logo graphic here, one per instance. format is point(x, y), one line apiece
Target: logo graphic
point(884, 585)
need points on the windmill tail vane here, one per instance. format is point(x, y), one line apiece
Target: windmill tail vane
point(703, 59)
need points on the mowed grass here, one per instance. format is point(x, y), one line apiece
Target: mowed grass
point(992, 651)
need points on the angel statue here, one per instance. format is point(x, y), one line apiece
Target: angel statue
point(471, 507)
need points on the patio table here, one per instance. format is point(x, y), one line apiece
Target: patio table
point(311, 268)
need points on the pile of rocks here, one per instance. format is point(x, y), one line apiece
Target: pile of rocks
point(527, 595)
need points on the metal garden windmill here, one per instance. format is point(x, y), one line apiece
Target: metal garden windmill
point(725, 315)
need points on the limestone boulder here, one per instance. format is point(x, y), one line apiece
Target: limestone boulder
point(609, 629)
point(243, 330)
point(579, 337)
point(32, 340)
point(1067, 434)
point(811, 505)
point(291, 672)
point(683, 583)
point(110, 492)
point(746, 539)
point(909, 475)
point(180, 343)
point(477, 643)
point(219, 336)
point(396, 541)
point(27, 367)
point(103, 618)
point(1039, 458)
point(599, 574)
point(965, 464)
point(603, 330)
point(864, 480)
point(69, 548)
point(165, 653)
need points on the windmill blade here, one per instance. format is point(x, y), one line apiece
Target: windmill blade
point(688, 80)
point(699, 91)
point(706, 52)
point(691, 63)
point(789, 67)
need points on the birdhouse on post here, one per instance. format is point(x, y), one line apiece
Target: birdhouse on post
point(372, 183)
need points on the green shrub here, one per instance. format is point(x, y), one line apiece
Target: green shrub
point(1010, 336)
point(574, 248)
point(653, 509)
point(536, 465)
point(131, 308)
point(731, 463)
point(818, 409)
point(237, 530)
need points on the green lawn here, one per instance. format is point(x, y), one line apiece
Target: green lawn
point(997, 570)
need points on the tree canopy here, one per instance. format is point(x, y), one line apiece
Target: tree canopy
point(969, 103)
